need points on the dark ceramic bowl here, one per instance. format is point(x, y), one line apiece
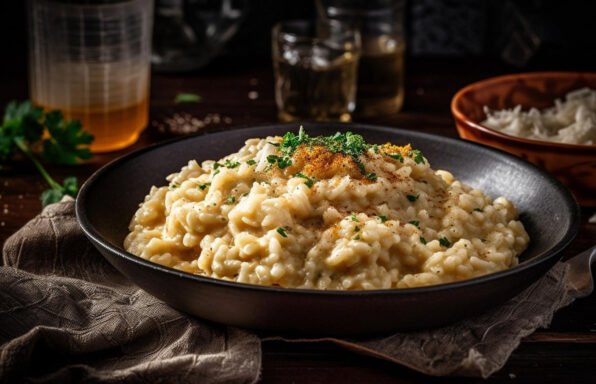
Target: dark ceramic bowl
point(574, 165)
point(109, 198)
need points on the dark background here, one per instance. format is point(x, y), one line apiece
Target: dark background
point(526, 34)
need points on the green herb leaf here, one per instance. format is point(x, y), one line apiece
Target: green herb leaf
point(203, 186)
point(282, 162)
point(415, 223)
point(383, 218)
point(281, 231)
point(70, 186)
point(230, 200)
point(21, 120)
point(444, 242)
point(354, 217)
point(56, 193)
point(187, 98)
point(423, 240)
point(51, 196)
point(231, 164)
point(372, 176)
point(356, 229)
point(412, 197)
point(23, 127)
point(357, 237)
point(68, 143)
point(251, 162)
point(417, 156)
point(396, 156)
point(309, 182)
point(174, 185)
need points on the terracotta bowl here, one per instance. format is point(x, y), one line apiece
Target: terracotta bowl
point(574, 165)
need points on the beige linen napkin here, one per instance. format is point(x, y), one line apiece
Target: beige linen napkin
point(67, 315)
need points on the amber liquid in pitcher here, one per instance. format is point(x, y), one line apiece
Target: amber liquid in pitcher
point(113, 128)
point(114, 108)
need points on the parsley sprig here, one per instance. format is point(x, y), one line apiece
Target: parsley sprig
point(22, 130)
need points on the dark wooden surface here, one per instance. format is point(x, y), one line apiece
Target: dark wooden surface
point(564, 352)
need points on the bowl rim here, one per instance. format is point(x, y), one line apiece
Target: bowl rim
point(460, 115)
point(96, 237)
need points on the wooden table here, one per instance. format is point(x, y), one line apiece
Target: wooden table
point(242, 96)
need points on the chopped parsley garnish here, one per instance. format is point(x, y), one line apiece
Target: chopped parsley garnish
point(309, 182)
point(174, 185)
point(282, 232)
point(412, 197)
point(417, 156)
point(356, 229)
point(231, 164)
point(230, 200)
point(383, 218)
point(422, 240)
point(217, 165)
point(274, 144)
point(251, 162)
point(478, 210)
point(346, 143)
point(396, 156)
point(415, 223)
point(444, 242)
point(282, 162)
point(354, 217)
point(357, 237)
point(216, 172)
point(203, 186)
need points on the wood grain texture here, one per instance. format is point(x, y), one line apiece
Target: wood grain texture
point(567, 350)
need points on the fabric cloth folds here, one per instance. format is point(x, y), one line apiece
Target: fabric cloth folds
point(66, 315)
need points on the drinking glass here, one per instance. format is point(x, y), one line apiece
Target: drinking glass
point(90, 59)
point(315, 64)
point(381, 67)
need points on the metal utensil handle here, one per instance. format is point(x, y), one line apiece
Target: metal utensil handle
point(580, 271)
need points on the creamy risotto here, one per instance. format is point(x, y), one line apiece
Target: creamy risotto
point(327, 213)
